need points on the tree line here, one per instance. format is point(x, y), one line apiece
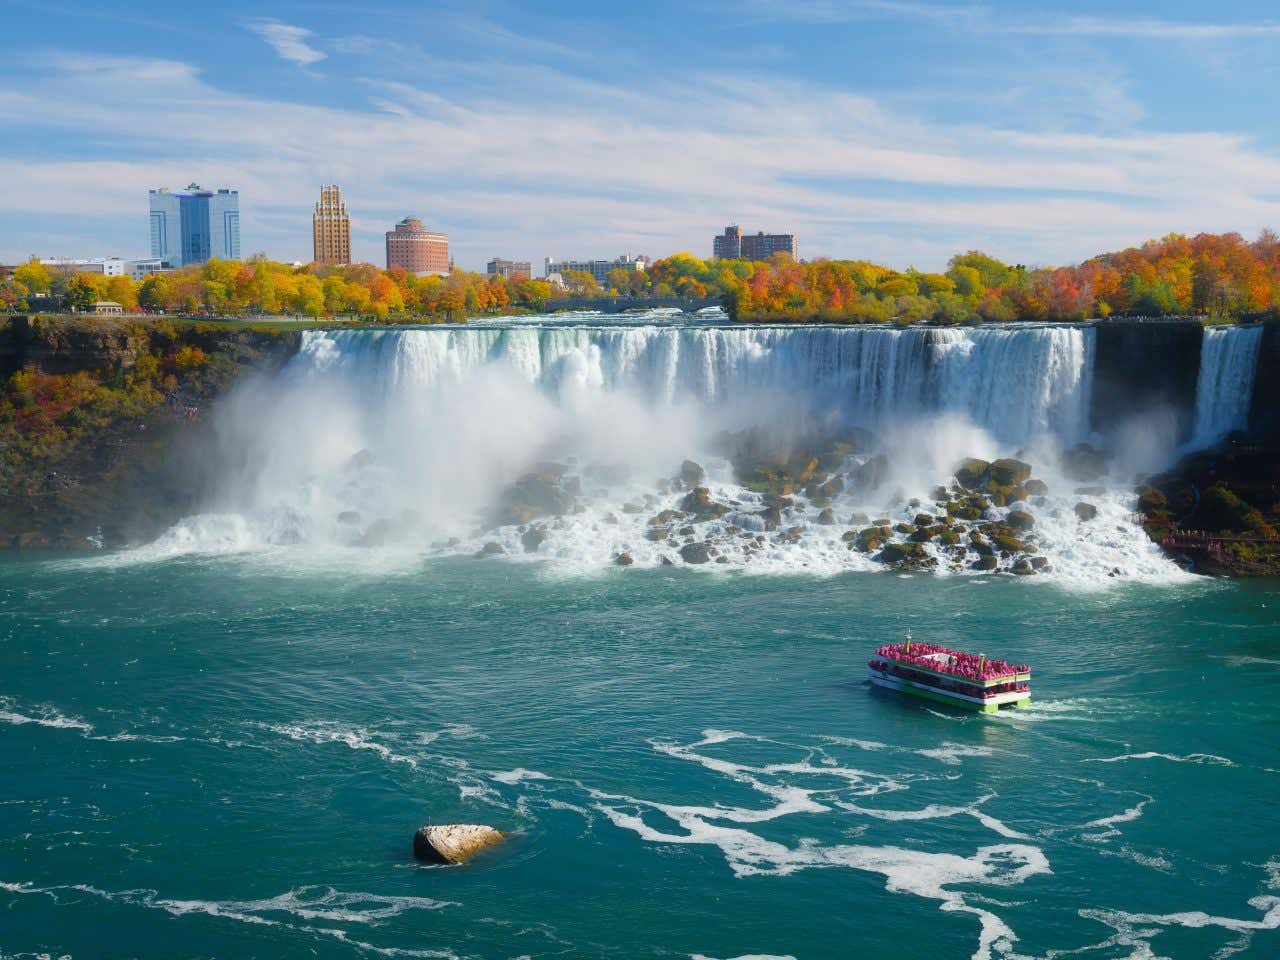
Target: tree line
point(1212, 275)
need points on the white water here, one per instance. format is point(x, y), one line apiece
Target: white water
point(448, 417)
point(1228, 360)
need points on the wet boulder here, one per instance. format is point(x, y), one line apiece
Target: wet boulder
point(490, 549)
point(1020, 520)
point(454, 842)
point(533, 538)
point(1008, 472)
point(692, 473)
point(695, 553)
point(972, 473)
point(699, 503)
point(1023, 567)
point(986, 562)
point(1085, 511)
point(350, 518)
point(826, 518)
point(360, 460)
point(1037, 488)
point(624, 560)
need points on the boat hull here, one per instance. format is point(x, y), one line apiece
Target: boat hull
point(980, 705)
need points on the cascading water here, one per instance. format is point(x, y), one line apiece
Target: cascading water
point(415, 439)
point(1019, 385)
point(1228, 361)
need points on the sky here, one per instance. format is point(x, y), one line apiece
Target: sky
point(899, 131)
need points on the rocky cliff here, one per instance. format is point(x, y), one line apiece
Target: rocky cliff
point(102, 422)
point(1146, 365)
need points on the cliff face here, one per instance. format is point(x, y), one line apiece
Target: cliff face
point(102, 422)
point(1145, 366)
point(1265, 413)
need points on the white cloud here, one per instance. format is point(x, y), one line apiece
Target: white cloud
point(289, 42)
point(507, 169)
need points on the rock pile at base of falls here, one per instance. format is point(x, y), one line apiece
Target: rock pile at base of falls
point(454, 842)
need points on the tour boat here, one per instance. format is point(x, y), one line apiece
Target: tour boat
point(967, 680)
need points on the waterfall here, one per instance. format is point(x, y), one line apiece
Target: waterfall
point(1019, 384)
point(565, 442)
point(1228, 360)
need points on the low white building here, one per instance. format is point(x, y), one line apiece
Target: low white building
point(599, 269)
point(137, 270)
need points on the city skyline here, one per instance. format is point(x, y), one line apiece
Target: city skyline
point(1108, 125)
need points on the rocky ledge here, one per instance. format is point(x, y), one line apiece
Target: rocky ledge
point(1217, 512)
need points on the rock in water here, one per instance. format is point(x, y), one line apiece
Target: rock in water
point(454, 842)
point(1086, 511)
point(691, 472)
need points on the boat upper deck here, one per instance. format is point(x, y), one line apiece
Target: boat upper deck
point(972, 668)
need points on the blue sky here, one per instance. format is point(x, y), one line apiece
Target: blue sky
point(892, 130)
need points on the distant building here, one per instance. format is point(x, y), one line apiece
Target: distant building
point(107, 307)
point(331, 228)
point(111, 266)
point(414, 248)
point(599, 269)
point(193, 225)
point(510, 269)
point(728, 246)
point(733, 245)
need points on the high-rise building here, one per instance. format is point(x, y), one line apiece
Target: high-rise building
point(192, 225)
point(414, 248)
point(600, 269)
point(728, 246)
point(331, 228)
point(510, 269)
point(733, 245)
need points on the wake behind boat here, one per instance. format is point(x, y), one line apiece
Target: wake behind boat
point(966, 680)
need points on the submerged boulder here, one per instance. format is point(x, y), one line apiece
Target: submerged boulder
point(454, 842)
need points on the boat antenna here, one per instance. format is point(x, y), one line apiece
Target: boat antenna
point(907, 645)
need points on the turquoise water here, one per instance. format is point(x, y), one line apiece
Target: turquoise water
point(228, 758)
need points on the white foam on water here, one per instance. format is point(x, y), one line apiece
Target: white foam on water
point(936, 811)
point(357, 738)
point(922, 873)
point(953, 753)
point(745, 956)
point(1127, 816)
point(41, 715)
point(305, 903)
point(1208, 758)
point(519, 775)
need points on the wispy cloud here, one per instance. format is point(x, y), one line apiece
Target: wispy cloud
point(289, 41)
point(1150, 29)
point(979, 18)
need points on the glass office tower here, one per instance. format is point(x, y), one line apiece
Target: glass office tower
point(192, 225)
